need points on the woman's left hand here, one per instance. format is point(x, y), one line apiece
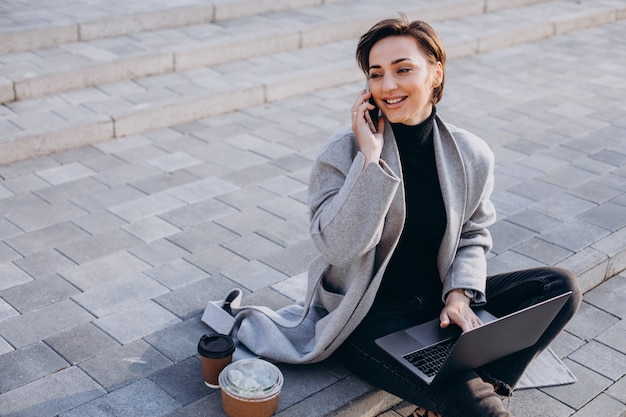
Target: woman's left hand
point(457, 310)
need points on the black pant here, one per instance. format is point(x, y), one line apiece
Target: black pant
point(467, 394)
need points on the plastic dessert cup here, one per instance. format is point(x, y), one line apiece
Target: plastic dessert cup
point(250, 388)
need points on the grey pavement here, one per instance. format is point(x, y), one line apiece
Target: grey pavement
point(109, 251)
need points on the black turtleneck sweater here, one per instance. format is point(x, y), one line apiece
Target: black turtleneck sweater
point(413, 267)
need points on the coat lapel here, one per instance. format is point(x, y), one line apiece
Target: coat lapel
point(453, 183)
point(397, 209)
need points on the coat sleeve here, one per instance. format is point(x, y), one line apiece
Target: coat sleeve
point(348, 202)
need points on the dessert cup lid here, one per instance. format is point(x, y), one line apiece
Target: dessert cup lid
point(251, 379)
point(216, 345)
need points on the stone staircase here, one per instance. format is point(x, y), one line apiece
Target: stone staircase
point(73, 75)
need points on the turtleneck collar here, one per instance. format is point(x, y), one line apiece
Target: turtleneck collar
point(416, 135)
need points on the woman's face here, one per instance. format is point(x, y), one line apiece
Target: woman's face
point(402, 80)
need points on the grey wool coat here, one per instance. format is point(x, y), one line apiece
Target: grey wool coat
point(357, 216)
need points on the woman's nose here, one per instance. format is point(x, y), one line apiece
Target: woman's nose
point(389, 83)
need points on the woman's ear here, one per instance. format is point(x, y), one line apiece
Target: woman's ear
point(437, 74)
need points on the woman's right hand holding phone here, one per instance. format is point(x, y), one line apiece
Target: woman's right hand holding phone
point(370, 143)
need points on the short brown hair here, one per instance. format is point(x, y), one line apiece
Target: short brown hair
point(426, 37)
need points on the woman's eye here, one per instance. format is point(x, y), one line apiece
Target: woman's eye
point(404, 70)
point(374, 76)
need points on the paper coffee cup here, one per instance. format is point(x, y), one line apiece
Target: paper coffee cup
point(216, 352)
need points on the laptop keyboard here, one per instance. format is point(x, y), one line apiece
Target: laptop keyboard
point(430, 359)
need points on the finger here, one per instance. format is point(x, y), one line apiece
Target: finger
point(464, 320)
point(357, 110)
point(358, 115)
point(365, 105)
point(464, 324)
point(473, 321)
point(445, 320)
point(360, 99)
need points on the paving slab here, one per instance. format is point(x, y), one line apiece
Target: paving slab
point(189, 301)
point(6, 311)
point(28, 364)
point(39, 293)
point(124, 400)
point(614, 337)
point(119, 367)
point(537, 403)
point(51, 395)
point(610, 297)
point(81, 343)
point(175, 381)
point(578, 394)
point(617, 390)
point(119, 294)
point(602, 405)
point(33, 326)
point(133, 323)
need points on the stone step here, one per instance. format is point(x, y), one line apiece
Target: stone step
point(40, 126)
point(42, 23)
point(70, 66)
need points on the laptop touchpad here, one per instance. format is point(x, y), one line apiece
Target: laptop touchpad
point(430, 332)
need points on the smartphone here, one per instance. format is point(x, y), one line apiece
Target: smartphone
point(371, 115)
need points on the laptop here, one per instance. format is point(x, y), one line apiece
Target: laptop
point(434, 354)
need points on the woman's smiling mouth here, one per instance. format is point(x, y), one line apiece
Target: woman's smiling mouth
point(392, 101)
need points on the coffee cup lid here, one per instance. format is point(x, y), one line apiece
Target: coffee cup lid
point(251, 379)
point(216, 345)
